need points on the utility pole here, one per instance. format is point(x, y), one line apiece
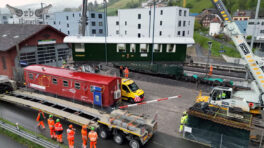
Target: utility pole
point(153, 33)
point(106, 30)
point(255, 23)
point(84, 17)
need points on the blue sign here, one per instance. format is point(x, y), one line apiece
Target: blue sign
point(221, 51)
point(23, 63)
point(97, 95)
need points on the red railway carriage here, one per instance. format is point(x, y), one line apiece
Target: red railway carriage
point(86, 87)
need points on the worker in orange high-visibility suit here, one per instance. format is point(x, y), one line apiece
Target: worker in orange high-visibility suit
point(70, 136)
point(211, 70)
point(93, 137)
point(84, 136)
point(126, 71)
point(40, 119)
point(58, 130)
point(51, 124)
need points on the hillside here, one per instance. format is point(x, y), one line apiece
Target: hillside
point(195, 6)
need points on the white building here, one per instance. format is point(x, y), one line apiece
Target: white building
point(259, 28)
point(214, 28)
point(170, 22)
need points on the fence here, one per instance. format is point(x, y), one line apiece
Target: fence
point(221, 140)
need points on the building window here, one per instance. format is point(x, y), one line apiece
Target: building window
point(93, 31)
point(185, 13)
point(30, 76)
point(139, 16)
point(125, 23)
point(65, 83)
point(171, 48)
point(139, 26)
point(54, 81)
point(161, 12)
point(132, 47)
point(68, 32)
point(183, 33)
point(261, 31)
point(139, 35)
point(262, 23)
point(179, 33)
point(73, 15)
point(93, 15)
point(117, 23)
point(160, 23)
point(125, 32)
point(121, 48)
point(79, 47)
point(101, 31)
point(100, 23)
point(251, 23)
point(149, 12)
point(189, 23)
point(59, 22)
point(184, 22)
point(117, 31)
point(79, 14)
point(93, 23)
point(77, 85)
point(180, 12)
point(160, 33)
point(100, 16)
point(54, 22)
point(179, 24)
point(68, 25)
point(67, 17)
point(144, 48)
point(157, 47)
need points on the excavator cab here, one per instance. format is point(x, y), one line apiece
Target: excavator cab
point(219, 94)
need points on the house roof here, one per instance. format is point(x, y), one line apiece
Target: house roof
point(245, 13)
point(157, 40)
point(12, 34)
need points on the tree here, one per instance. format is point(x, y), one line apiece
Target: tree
point(189, 5)
point(67, 9)
point(197, 26)
point(242, 4)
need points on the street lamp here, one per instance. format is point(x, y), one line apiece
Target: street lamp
point(209, 53)
point(153, 33)
point(105, 28)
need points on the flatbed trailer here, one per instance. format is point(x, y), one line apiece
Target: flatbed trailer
point(118, 123)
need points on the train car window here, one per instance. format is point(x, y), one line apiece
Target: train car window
point(79, 47)
point(30, 75)
point(171, 48)
point(121, 48)
point(132, 47)
point(77, 85)
point(157, 47)
point(65, 83)
point(144, 48)
point(54, 81)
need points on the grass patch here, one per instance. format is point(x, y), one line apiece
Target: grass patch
point(23, 140)
point(216, 47)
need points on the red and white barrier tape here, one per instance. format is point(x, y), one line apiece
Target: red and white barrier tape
point(147, 102)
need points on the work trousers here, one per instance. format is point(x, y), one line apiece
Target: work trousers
point(181, 128)
point(84, 144)
point(52, 133)
point(93, 144)
point(71, 143)
point(59, 138)
point(41, 123)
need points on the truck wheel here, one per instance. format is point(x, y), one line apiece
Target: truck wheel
point(134, 144)
point(119, 139)
point(103, 133)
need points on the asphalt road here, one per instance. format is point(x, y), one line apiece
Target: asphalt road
point(26, 117)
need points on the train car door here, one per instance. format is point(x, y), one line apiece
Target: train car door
point(97, 95)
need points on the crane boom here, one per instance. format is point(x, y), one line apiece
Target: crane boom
point(232, 30)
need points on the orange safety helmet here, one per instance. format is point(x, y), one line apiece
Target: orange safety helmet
point(70, 126)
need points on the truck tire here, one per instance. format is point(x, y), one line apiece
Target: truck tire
point(103, 132)
point(131, 100)
point(119, 138)
point(134, 143)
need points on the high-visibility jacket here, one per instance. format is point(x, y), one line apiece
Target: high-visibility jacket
point(93, 136)
point(126, 71)
point(70, 134)
point(58, 128)
point(184, 119)
point(84, 134)
point(40, 116)
point(51, 123)
point(222, 95)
